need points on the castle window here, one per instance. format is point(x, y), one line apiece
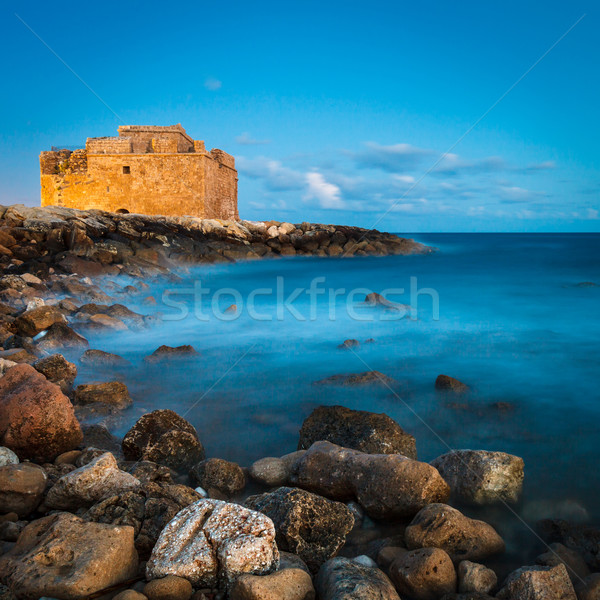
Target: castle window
point(126, 170)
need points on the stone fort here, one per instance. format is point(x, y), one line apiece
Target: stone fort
point(145, 169)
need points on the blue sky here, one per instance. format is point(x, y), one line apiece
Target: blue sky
point(340, 112)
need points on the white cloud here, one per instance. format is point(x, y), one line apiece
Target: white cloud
point(212, 84)
point(515, 193)
point(327, 194)
point(247, 140)
point(404, 178)
point(592, 214)
point(276, 177)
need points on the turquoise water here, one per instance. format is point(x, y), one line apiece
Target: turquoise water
point(512, 323)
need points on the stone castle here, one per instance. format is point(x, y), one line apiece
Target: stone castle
point(145, 169)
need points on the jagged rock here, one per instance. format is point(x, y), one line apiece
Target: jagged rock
point(164, 437)
point(88, 484)
point(217, 474)
point(170, 353)
point(286, 584)
point(37, 420)
point(343, 579)
point(61, 556)
point(57, 369)
point(473, 577)
point(445, 383)
point(368, 432)
point(21, 488)
point(7, 457)
point(112, 393)
point(308, 525)
point(60, 336)
point(270, 471)
point(538, 583)
point(573, 561)
point(424, 574)
point(102, 359)
point(168, 588)
point(480, 476)
point(441, 526)
point(385, 485)
point(366, 378)
point(211, 543)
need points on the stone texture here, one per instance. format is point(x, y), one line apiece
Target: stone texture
point(354, 379)
point(584, 539)
point(61, 556)
point(344, 579)
point(57, 369)
point(445, 383)
point(538, 583)
point(111, 393)
point(211, 543)
point(441, 526)
point(59, 336)
point(480, 476)
point(287, 584)
point(368, 432)
point(270, 471)
point(473, 577)
point(37, 420)
point(308, 525)
point(21, 488)
point(129, 595)
point(166, 438)
point(385, 485)
point(170, 587)
point(424, 574)
point(165, 353)
point(86, 485)
point(217, 474)
point(7, 457)
point(34, 321)
point(102, 359)
point(573, 561)
point(589, 588)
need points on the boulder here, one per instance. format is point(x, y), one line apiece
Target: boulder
point(37, 420)
point(441, 526)
point(99, 358)
point(111, 393)
point(358, 429)
point(308, 525)
point(130, 595)
point(584, 539)
point(558, 554)
point(424, 574)
point(287, 584)
point(445, 383)
point(165, 353)
point(473, 577)
point(60, 336)
point(480, 476)
point(343, 579)
point(62, 556)
point(216, 474)
point(385, 485)
point(57, 369)
point(375, 299)
point(86, 485)
point(164, 437)
point(34, 321)
point(211, 543)
point(588, 588)
point(538, 583)
point(21, 488)
point(366, 378)
point(170, 587)
point(97, 436)
point(7, 457)
point(270, 471)
point(348, 344)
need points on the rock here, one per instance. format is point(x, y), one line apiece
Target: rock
point(589, 588)
point(288, 584)
point(473, 577)
point(270, 471)
point(172, 353)
point(538, 583)
point(7, 457)
point(481, 477)
point(17, 355)
point(61, 556)
point(445, 383)
point(368, 432)
point(164, 437)
point(387, 555)
point(34, 321)
point(288, 560)
point(386, 485)
point(103, 359)
point(97, 436)
point(170, 587)
point(112, 393)
point(211, 543)
point(129, 595)
point(582, 538)
point(108, 322)
point(342, 579)
point(218, 474)
point(467, 596)
point(308, 525)
point(60, 336)
point(67, 458)
point(424, 574)
point(366, 378)
point(21, 488)
point(375, 299)
point(37, 420)
point(347, 344)
point(441, 526)
point(57, 369)
point(558, 554)
point(88, 484)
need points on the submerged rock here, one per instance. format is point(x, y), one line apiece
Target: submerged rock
point(21, 488)
point(366, 378)
point(163, 353)
point(538, 583)
point(368, 432)
point(102, 359)
point(445, 383)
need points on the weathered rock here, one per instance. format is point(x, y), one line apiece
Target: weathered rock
point(289, 560)
point(170, 587)
point(589, 588)
point(424, 574)
point(110, 393)
point(130, 595)
point(366, 378)
point(308, 525)
point(445, 383)
point(344, 579)
point(573, 561)
point(37, 420)
point(57, 369)
point(166, 438)
point(172, 353)
point(34, 321)
point(385, 485)
point(98, 436)
point(102, 359)
point(270, 471)
point(60, 336)
point(287, 584)
point(481, 476)
point(7, 457)
point(61, 556)
point(17, 355)
point(441, 526)
point(21, 488)
point(348, 344)
point(538, 583)
point(217, 474)
point(211, 543)
point(582, 538)
point(473, 577)
point(86, 485)
point(358, 429)
point(375, 299)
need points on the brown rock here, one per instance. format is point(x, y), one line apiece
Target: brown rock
point(573, 561)
point(387, 555)
point(218, 474)
point(101, 358)
point(61, 556)
point(57, 369)
point(170, 353)
point(538, 583)
point(347, 344)
point(37, 420)
point(424, 574)
point(589, 588)
point(287, 584)
point(170, 587)
point(18, 355)
point(21, 488)
point(34, 321)
point(60, 336)
point(366, 378)
point(445, 383)
point(129, 595)
point(441, 526)
point(270, 471)
point(473, 577)
point(112, 393)
point(67, 458)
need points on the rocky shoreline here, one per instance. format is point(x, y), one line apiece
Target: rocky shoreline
point(84, 514)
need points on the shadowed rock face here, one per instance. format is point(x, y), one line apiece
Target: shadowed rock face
point(552, 583)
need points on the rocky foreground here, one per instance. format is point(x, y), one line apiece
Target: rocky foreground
point(84, 514)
